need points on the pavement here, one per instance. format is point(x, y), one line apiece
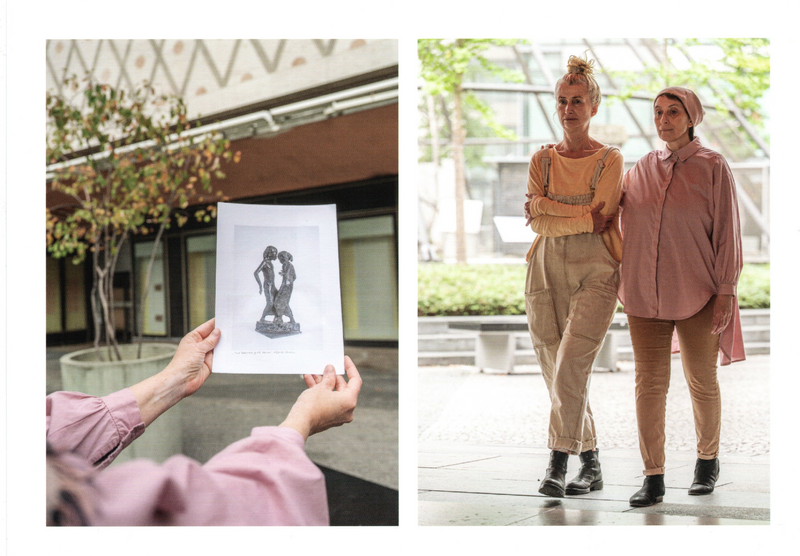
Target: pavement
point(482, 450)
point(359, 459)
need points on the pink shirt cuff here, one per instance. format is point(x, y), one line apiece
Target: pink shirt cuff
point(726, 289)
point(287, 433)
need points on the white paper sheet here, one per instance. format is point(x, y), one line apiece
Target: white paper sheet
point(309, 234)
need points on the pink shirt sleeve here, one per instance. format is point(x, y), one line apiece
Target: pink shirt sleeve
point(97, 429)
point(725, 236)
point(265, 479)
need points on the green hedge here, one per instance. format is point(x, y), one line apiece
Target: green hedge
point(498, 289)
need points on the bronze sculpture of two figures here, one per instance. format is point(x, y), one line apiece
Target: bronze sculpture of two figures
point(277, 298)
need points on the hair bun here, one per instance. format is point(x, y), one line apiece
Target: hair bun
point(580, 65)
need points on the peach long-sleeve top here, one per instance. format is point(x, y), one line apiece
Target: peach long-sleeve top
point(571, 177)
point(681, 238)
point(264, 479)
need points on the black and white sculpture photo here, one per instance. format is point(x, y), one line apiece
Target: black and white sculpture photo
point(290, 319)
point(268, 270)
point(277, 299)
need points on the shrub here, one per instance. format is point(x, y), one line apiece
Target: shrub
point(498, 289)
point(754, 287)
point(448, 290)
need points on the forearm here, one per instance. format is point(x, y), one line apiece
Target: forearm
point(299, 424)
point(553, 226)
point(157, 394)
point(541, 206)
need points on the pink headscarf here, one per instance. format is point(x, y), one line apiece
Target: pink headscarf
point(690, 102)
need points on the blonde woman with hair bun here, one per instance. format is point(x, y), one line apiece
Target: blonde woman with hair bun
point(581, 71)
point(574, 190)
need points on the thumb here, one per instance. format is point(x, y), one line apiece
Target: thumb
point(329, 377)
point(210, 341)
point(599, 206)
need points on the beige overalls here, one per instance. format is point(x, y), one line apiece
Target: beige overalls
point(570, 298)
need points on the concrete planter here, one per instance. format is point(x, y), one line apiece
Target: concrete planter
point(82, 371)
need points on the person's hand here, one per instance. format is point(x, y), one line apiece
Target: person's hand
point(527, 209)
point(723, 311)
point(600, 222)
point(183, 376)
point(191, 364)
point(329, 401)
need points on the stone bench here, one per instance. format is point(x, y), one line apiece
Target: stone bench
point(495, 344)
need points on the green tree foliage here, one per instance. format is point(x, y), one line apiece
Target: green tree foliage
point(475, 125)
point(129, 164)
point(740, 73)
point(444, 63)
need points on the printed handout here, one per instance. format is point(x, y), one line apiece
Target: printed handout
point(277, 291)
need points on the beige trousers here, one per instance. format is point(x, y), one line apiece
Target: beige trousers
point(570, 299)
point(652, 341)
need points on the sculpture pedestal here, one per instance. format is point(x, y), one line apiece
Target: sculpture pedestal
point(277, 329)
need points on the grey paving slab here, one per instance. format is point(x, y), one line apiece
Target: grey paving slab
point(492, 408)
point(227, 407)
point(472, 513)
point(497, 510)
point(477, 482)
point(583, 517)
point(482, 452)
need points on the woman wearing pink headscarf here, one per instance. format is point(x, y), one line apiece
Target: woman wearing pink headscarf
point(682, 257)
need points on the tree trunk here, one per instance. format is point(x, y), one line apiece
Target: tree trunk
point(146, 289)
point(96, 314)
point(461, 182)
point(111, 340)
point(427, 250)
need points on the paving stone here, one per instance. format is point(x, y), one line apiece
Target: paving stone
point(482, 451)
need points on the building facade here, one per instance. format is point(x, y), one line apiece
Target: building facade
point(315, 122)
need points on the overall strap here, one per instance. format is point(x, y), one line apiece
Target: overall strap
point(546, 170)
point(601, 163)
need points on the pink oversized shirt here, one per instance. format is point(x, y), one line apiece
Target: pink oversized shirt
point(681, 238)
point(265, 479)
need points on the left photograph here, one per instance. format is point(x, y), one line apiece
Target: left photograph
point(148, 142)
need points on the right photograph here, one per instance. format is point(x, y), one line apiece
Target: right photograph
point(594, 282)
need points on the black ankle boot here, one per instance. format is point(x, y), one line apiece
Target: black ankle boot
point(706, 472)
point(652, 492)
point(553, 482)
point(590, 477)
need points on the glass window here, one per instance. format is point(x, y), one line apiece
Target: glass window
point(75, 302)
point(154, 315)
point(201, 262)
point(65, 313)
point(53, 295)
point(367, 261)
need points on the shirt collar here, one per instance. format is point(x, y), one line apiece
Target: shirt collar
point(683, 153)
